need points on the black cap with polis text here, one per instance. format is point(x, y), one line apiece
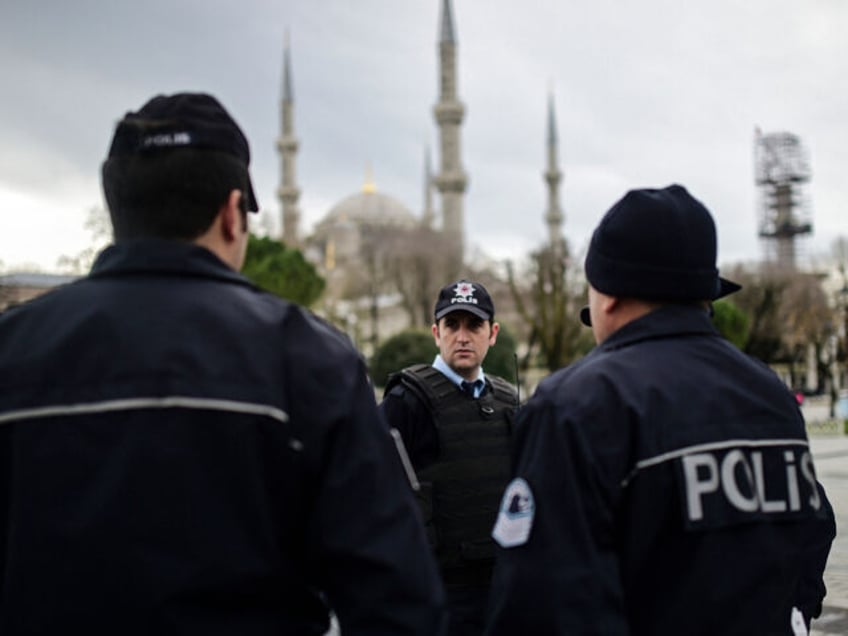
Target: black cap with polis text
point(464, 295)
point(183, 120)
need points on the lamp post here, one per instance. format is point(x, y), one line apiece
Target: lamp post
point(842, 353)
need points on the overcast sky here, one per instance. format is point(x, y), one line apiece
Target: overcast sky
point(647, 93)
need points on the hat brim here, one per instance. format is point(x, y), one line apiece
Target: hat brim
point(252, 203)
point(726, 287)
point(471, 309)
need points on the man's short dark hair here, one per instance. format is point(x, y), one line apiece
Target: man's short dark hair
point(174, 194)
point(172, 165)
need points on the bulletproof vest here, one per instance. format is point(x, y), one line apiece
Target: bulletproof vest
point(460, 492)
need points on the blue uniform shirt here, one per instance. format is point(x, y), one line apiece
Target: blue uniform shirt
point(453, 376)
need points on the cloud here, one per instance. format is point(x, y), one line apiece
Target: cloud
point(647, 93)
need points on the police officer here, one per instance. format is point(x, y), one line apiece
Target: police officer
point(455, 423)
point(663, 484)
point(182, 453)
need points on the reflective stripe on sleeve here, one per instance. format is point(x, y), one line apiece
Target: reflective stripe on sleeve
point(132, 404)
point(711, 446)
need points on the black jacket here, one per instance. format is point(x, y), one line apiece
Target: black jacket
point(671, 491)
point(183, 453)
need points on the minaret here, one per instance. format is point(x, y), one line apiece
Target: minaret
point(554, 216)
point(428, 215)
point(288, 192)
point(449, 111)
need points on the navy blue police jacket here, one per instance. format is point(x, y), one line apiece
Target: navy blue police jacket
point(182, 453)
point(668, 488)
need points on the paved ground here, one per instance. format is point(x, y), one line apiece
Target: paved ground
point(830, 452)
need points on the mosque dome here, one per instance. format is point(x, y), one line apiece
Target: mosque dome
point(370, 207)
point(342, 231)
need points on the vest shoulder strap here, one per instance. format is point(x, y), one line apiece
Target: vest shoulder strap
point(428, 384)
point(504, 391)
point(432, 387)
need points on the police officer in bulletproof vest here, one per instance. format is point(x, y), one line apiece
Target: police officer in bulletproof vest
point(662, 485)
point(455, 422)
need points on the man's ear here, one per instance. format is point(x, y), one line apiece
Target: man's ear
point(231, 216)
point(610, 304)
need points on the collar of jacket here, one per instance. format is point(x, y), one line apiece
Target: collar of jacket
point(145, 256)
point(670, 320)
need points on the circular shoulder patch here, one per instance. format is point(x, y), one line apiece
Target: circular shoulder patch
point(515, 517)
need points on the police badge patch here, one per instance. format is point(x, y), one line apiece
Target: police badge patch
point(464, 293)
point(799, 627)
point(515, 518)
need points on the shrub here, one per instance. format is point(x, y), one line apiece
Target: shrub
point(412, 346)
point(501, 358)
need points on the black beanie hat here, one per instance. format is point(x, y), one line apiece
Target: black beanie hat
point(657, 245)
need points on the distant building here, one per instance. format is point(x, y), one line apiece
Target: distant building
point(21, 287)
point(339, 240)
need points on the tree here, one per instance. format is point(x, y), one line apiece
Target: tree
point(282, 271)
point(810, 322)
point(550, 307)
point(731, 322)
point(371, 279)
point(840, 256)
point(760, 299)
point(419, 265)
point(500, 360)
point(411, 262)
point(789, 314)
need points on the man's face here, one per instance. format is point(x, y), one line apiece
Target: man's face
point(463, 340)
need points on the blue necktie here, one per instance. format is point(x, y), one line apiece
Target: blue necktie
point(469, 388)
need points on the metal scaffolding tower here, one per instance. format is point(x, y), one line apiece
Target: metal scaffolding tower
point(782, 169)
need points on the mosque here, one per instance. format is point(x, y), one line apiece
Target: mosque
point(337, 243)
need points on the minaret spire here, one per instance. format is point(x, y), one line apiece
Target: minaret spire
point(554, 217)
point(447, 23)
point(288, 192)
point(428, 216)
point(449, 112)
point(288, 93)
